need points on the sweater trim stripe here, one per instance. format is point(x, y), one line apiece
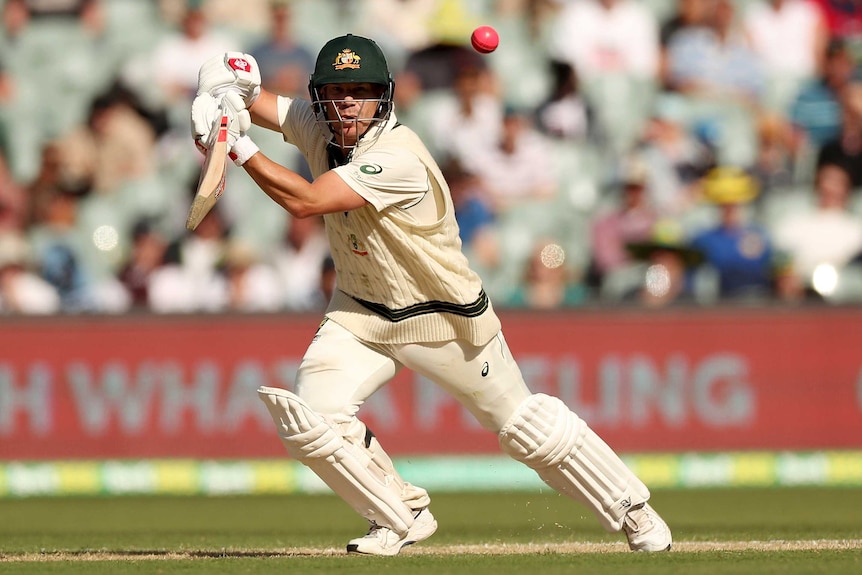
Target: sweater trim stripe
point(473, 309)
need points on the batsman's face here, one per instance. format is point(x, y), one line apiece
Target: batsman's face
point(350, 108)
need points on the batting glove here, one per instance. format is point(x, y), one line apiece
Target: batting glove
point(206, 119)
point(231, 71)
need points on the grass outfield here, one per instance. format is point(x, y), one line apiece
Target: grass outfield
point(780, 530)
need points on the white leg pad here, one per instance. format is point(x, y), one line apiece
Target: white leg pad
point(311, 440)
point(367, 450)
point(547, 436)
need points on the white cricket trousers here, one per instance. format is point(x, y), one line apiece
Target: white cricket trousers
point(339, 372)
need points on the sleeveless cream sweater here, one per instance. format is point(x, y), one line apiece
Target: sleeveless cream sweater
point(398, 281)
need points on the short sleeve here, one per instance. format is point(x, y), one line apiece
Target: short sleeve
point(387, 177)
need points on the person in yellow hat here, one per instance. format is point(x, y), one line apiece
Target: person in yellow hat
point(740, 251)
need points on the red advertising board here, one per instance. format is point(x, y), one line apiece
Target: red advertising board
point(148, 386)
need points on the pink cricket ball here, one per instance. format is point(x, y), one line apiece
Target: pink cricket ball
point(485, 39)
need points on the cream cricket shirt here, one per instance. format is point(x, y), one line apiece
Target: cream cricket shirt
point(402, 276)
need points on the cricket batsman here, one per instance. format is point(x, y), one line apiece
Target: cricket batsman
point(405, 297)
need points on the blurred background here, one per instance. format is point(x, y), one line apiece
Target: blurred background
point(663, 197)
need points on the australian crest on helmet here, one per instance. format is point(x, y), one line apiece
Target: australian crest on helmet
point(347, 58)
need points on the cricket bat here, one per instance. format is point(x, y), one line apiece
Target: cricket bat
point(212, 180)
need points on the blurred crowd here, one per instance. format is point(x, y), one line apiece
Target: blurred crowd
point(609, 152)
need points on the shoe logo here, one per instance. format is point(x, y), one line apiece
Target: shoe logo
point(485, 369)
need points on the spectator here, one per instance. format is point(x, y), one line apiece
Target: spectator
point(61, 267)
point(738, 250)
point(518, 167)
point(604, 37)
point(285, 64)
point(18, 14)
point(787, 286)
point(630, 220)
point(115, 146)
point(465, 122)
point(826, 234)
point(52, 177)
point(473, 206)
point(687, 15)
point(669, 264)
point(548, 281)
point(251, 284)
point(402, 26)
point(474, 212)
point(64, 255)
point(434, 59)
point(716, 61)
point(789, 37)
point(298, 261)
point(64, 258)
point(844, 21)
point(775, 164)
point(252, 21)
point(431, 70)
point(177, 57)
point(846, 149)
point(147, 255)
point(613, 45)
point(816, 110)
point(566, 114)
point(21, 290)
point(675, 158)
point(190, 279)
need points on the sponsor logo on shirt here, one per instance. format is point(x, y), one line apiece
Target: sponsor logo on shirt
point(356, 246)
point(370, 169)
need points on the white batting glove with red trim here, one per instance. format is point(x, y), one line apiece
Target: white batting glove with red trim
point(231, 71)
point(206, 119)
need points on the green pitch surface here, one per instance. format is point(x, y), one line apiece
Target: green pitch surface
point(781, 530)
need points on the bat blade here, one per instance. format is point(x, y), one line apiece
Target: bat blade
point(212, 181)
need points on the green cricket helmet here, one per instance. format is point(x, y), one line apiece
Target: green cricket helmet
point(352, 59)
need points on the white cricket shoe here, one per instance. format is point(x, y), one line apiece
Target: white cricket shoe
point(383, 541)
point(646, 530)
